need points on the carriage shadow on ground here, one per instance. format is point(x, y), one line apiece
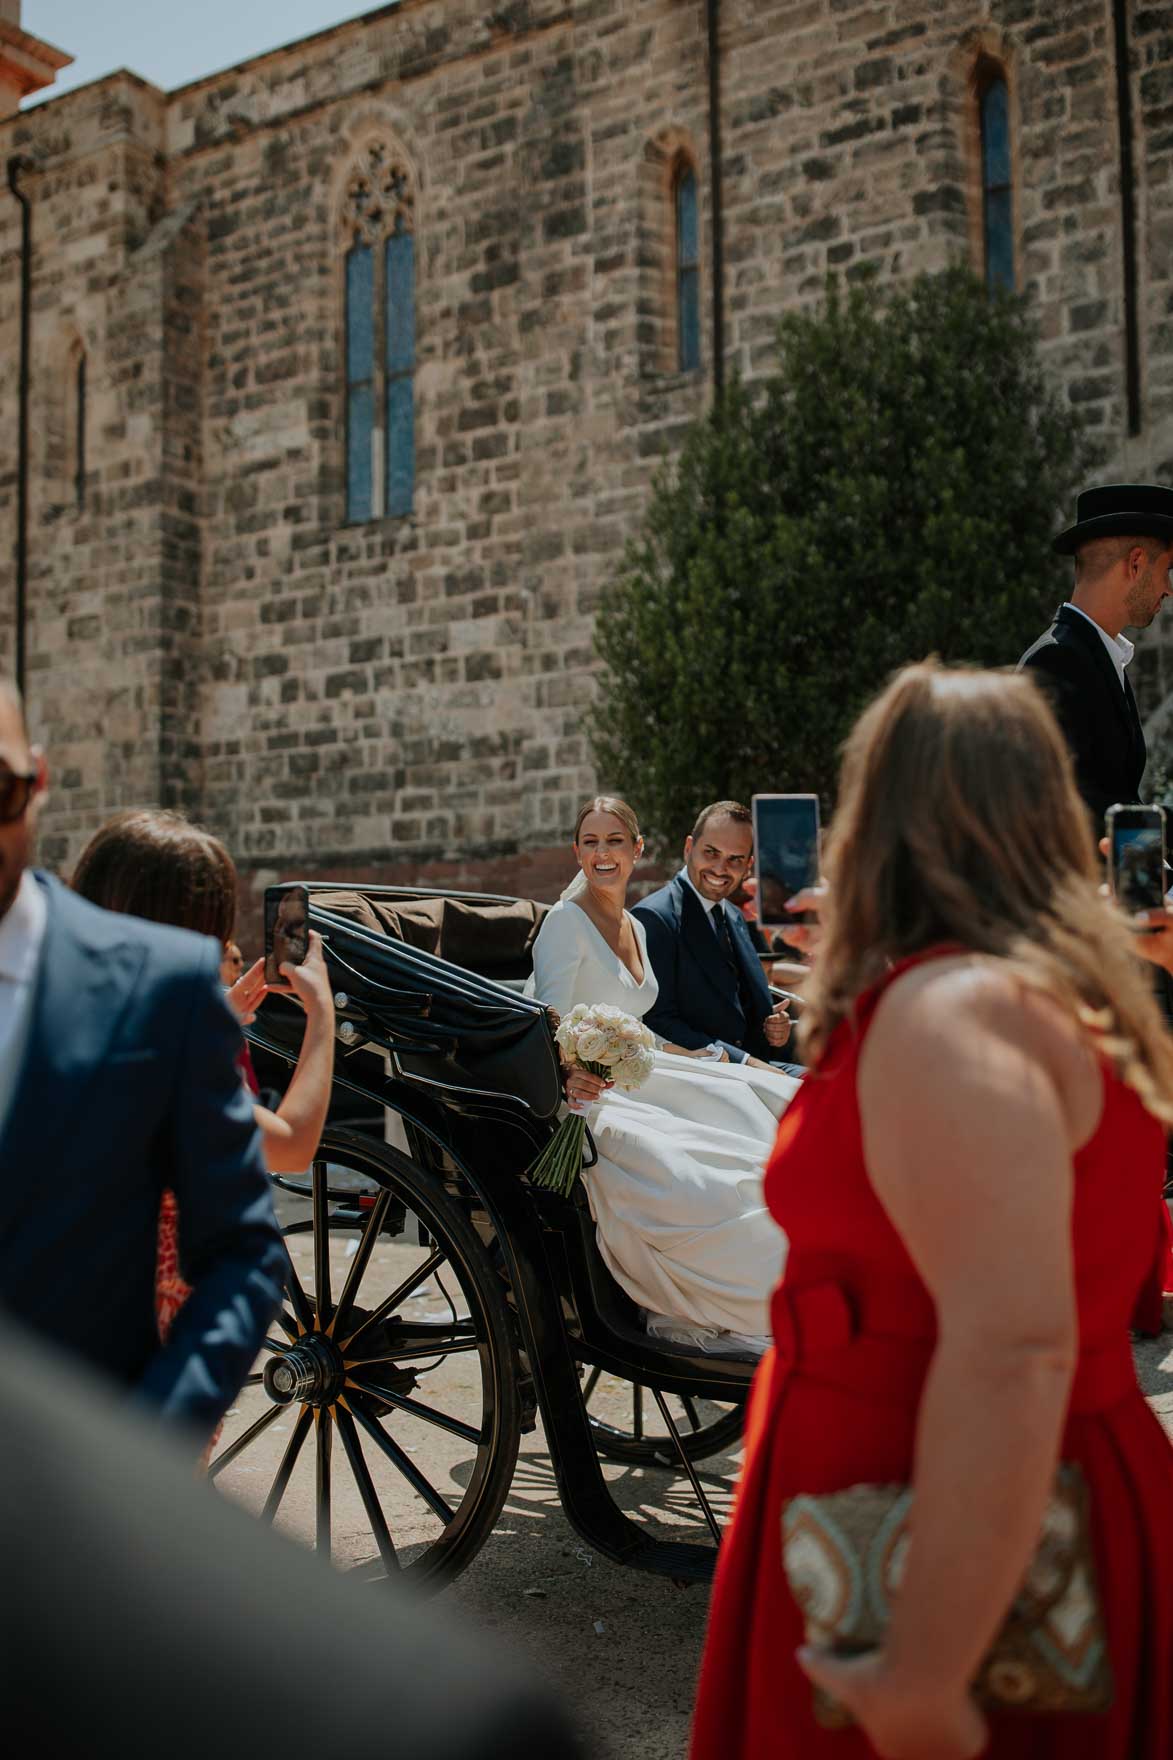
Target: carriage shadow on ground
point(621, 1646)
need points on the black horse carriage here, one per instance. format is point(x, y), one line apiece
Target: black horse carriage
point(433, 1292)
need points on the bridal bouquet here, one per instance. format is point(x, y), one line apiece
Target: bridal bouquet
point(611, 1044)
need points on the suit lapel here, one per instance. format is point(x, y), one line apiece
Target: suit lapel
point(1123, 702)
point(84, 985)
point(751, 965)
point(696, 933)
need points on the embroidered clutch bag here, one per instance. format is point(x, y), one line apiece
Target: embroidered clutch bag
point(844, 1556)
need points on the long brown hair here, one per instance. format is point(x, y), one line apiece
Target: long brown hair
point(959, 821)
point(151, 863)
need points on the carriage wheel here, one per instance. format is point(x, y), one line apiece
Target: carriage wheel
point(395, 1350)
point(628, 1427)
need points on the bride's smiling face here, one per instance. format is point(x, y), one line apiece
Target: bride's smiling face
point(606, 852)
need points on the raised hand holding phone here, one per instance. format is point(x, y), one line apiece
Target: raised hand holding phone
point(1136, 858)
point(287, 931)
point(785, 853)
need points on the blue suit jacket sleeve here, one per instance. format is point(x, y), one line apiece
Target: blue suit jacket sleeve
point(230, 1247)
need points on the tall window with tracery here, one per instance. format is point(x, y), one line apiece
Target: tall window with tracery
point(997, 180)
point(378, 221)
point(688, 271)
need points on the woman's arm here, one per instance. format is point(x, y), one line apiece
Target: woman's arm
point(558, 954)
point(972, 1099)
point(291, 1134)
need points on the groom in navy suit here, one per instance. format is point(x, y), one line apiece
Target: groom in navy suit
point(118, 1079)
point(712, 987)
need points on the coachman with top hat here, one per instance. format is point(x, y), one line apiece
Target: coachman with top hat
point(1122, 545)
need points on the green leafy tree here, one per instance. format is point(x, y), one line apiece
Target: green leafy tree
point(890, 492)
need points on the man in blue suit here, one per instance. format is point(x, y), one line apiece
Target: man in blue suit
point(712, 987)
point(118, 1079)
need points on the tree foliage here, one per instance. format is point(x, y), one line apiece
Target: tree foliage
point(890, 492)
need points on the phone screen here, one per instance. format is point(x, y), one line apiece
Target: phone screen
point(786, 850)
point(287, 929)
point(1137, 844)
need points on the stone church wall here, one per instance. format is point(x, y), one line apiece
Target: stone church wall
point(404, 698)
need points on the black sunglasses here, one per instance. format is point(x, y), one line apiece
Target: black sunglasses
point(16, 790)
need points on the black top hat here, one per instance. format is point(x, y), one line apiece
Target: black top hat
point(1118, 510)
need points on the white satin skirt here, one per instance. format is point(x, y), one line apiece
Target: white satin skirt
point(677, 1192)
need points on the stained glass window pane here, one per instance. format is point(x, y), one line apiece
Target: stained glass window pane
point(360, 313)
point(400, 299)
point(996, 136)
point(999, 239)
point(687, 247)
point(688, 320)
point(360, 416)
point(400, 446)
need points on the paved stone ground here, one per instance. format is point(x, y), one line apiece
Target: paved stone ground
point(622, 1647)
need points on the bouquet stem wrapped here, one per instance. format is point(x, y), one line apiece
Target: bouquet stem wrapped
point(609, 1044)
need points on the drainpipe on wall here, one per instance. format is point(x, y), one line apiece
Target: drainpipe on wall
point(1127, 216)
point(17, 166)
point(713, 15)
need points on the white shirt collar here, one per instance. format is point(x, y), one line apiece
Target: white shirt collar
point(710, 904)
point(22, 930)
point(1120, 649)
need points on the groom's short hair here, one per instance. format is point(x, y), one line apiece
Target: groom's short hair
point(722, 810)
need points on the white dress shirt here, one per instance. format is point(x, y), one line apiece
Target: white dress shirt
point(710, 904)
point(1120, 649)
point(22, 934)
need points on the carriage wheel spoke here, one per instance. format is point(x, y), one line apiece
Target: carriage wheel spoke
point(405, 1466)
point(234, 1448)
point(366, 1488)
point(321, 1207)
point(358, 1264)
point(637, 1411)
point(416, 1409)
point(288, 1461)
point(689, 1405)
point(397, 1296)
point(299, 1301)
point(443, 1347)
point(592, 1383)
point(325, 1429)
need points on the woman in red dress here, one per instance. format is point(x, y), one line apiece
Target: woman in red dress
point(967, 1187)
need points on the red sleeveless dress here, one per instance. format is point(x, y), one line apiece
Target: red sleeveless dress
point(835, 1404)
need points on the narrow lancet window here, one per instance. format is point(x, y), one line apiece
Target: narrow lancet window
point(997, 184)
point(380, 339)
point(688, 304)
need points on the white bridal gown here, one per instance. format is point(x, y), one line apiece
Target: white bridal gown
point(677, 1192)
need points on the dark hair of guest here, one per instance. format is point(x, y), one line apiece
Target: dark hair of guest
point(722, 810)
point(151, 863)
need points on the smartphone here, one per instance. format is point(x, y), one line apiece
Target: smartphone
point(287, 929)
point(1136, 856)
point(785, 852)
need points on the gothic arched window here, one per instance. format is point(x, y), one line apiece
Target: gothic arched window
point(997, 181)
point(377, 222)
point(688, 271)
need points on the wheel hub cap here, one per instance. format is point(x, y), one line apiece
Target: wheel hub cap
point(309, 1373)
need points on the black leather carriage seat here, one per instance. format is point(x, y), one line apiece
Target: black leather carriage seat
point(493, 939)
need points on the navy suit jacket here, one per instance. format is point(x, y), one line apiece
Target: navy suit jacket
point(130, 1086)
point(699, 1001)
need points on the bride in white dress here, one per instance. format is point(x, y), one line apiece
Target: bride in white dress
point(677, 1191)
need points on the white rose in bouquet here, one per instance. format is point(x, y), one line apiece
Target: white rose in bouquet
point(609, 1043)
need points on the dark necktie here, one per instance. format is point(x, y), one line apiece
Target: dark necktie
point(725, 943)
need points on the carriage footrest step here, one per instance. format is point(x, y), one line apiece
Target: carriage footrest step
point(675, 1558)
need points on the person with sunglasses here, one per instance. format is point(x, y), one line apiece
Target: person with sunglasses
point(119, 1080)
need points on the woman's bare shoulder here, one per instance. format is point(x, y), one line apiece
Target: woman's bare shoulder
point(956, 1001)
